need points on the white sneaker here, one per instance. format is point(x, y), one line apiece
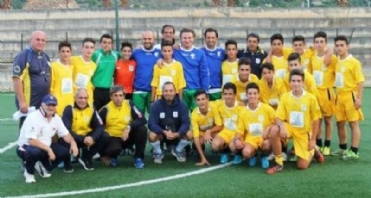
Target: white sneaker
point(42, 170)
point(29, 178)
point(96, 156)
point(271, 156)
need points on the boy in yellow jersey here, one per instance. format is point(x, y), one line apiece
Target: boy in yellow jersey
point(61, 85)
point(349, 89)
point(126, 127)
point(84, 68)
point(86, 127)
point(243, 78)
point(230, 66)
point(170, 71)
point(229, 109)
point(276, 56)
point(324, 76)
point(271, 87)
point(294, 62)
point(253, 128)
point(206, 124)
point(297, 117)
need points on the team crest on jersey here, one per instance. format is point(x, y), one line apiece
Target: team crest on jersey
point(210, 120)
point(342, 69)
point(261, 118)
point(303, 107)
point(127, 118)
point(306, 61)
point(257, 60)
point(234, 117)
point(324, 67)
point(87, 119)
point(91, 72)
point(17, 69)
point(193, 55)
point(155, 54)
point(219, 53)
point(131, 68)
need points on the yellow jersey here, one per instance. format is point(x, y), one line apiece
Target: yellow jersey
point(280, 66)
point(324, 75)
point(272, 95)
point(202, 122)
point(117, 118)
point(172, 72)
point(229, 70)
point(299, 112)
point(229, 115)
point(305, 58)
point(254, 122)
point(62, 85)
point(348, 75)
point(309, 83)
point(241, 86)
point(82, 74)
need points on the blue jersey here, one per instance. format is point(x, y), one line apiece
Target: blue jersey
point(146, 60)
point(33, 69)
point(195, 67)
point(214, 59)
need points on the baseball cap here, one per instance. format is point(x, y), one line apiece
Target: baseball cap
point(50, 100)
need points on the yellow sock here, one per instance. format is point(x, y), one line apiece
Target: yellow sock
point(278, 159)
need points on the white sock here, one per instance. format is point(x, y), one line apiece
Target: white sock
point(156, 147)
point(182, 143)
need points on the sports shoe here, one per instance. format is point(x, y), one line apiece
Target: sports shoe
point(275, 169)
point(131, 151)
point(224, 158)
point(114, 162)
point(29, 177)
point(271, 156)
point(264, 162)
point(180, 156)
point(237, 159)
point(326, 151)
point(349, 155)
point(339, 152)
point(293, 158)
point(139, 163)
point(157, 157)
point(87, 164)
point(252, 161)
point(42, 170)
point(61, 165)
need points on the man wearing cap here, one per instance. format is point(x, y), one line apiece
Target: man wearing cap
point(86, 127)
point(31, 74)
point(254, 53)
point(35, 146)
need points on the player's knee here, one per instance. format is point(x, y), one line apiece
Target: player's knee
point(354, 125)
point(328, 121)
point(232, 147)
point(266, 147)
point(302, 164)
point(216, 145)
point(340, 124)
point(152, 137)
point(247, 152)
point(189, 136)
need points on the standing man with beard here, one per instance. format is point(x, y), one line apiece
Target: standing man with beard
point(254, 53)
point(31, 74)
point(214, 58)
point(146, 57)
point(102, 79)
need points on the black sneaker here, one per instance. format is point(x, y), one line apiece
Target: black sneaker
point(68, 168)
point(87, 164)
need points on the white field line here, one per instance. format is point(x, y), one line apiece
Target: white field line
point(7, 147)
point(6, 119)
point(141, 183)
